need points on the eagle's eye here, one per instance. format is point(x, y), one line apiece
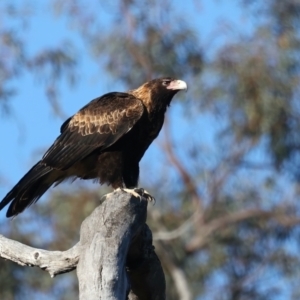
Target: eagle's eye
point(166, 82)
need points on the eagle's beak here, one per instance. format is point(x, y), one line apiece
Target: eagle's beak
point(177, 85)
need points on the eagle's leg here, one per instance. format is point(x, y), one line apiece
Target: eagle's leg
point(140, 193)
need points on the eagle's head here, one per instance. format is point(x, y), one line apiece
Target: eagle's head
point(164, 89)
point(167, 85)
point(159, 92)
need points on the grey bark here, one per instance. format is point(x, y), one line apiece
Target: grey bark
point(54, 262)
point(115, 258)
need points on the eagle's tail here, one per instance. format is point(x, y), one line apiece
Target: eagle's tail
point(29, 189)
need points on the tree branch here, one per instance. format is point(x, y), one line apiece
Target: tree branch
point(54, 262)
point(214, 225)
point(115, 253)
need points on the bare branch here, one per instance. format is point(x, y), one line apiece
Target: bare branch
point(54, 262)
point(211, 227)
point(186, 177)
point(181, 282)
point(105, 238)
point(176, 233)
point(115, 248)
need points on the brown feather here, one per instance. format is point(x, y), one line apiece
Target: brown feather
point(105, 140)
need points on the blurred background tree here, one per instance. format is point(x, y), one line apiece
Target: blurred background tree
point(226, 220)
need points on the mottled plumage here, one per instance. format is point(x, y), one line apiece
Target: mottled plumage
point(105, 140)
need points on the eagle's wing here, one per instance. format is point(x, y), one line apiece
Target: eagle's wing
point(97, 125)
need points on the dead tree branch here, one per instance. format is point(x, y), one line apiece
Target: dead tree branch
point(54, 262)
point(114, 258)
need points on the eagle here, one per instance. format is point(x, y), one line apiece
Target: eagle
point(105, 141)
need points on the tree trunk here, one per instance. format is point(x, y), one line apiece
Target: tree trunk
point(115, 257)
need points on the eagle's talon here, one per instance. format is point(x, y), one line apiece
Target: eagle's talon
point(132, 192)
point(148, 197)
point(140, 193)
